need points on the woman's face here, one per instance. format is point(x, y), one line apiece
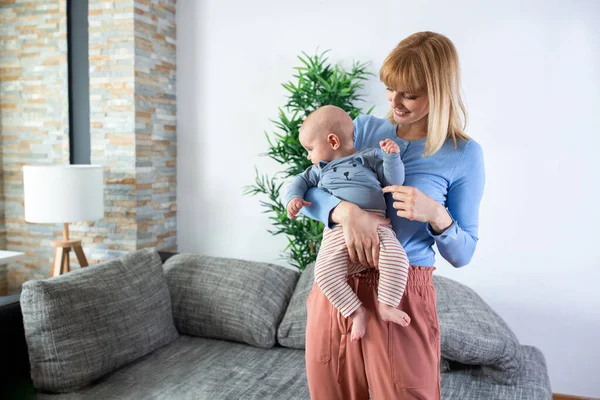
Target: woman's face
point(407, 107)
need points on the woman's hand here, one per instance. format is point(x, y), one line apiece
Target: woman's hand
point(360, 232)
point(414, 205)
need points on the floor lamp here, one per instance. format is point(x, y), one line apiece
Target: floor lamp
point(64, 194)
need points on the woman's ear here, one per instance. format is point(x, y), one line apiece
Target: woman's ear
point(334, 141)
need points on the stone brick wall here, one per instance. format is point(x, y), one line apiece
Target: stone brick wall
point(112, 122)
point(33, 122)
point(132, 117)
point(155, 128)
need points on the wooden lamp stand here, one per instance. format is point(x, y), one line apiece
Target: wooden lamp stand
point(61, 253)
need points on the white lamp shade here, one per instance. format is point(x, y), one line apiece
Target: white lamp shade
point(63, 193)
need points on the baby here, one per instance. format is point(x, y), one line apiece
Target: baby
point(357, 177)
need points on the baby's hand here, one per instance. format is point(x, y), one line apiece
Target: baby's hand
point(294, 206)
point(389, 146)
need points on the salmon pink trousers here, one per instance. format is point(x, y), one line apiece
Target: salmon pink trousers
point(390, 362)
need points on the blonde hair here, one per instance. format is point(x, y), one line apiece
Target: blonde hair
point(428, 62)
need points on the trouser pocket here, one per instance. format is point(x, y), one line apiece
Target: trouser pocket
point(318, 326)
point(413, 350)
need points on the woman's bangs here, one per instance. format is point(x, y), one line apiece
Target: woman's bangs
point(402, 71)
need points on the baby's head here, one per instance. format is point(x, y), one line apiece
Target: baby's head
point(327, 134)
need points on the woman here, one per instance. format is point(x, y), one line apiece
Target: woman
point(439, 203)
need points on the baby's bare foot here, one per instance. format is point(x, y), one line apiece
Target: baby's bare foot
point(392, 314)
point(360, 318)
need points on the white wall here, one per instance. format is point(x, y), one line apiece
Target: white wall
point(532, 87)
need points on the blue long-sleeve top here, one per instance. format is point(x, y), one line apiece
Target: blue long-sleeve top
point(454, 177)
point(357, 178)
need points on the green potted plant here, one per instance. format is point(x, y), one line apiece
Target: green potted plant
point(317, 83)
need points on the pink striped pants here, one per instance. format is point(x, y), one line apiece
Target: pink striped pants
point(333, 267)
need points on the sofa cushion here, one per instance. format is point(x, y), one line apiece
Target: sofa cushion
point(193, 368)
point(91, 321)
point(197, 368)
point(472, 333)
point(292, 330)
point(229, 299)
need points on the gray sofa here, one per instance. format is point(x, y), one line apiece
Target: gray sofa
point(184, 326)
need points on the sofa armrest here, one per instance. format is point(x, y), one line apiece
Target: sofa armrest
point(14, 368)
point(15, 379)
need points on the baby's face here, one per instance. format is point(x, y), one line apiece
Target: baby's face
point(317, 146)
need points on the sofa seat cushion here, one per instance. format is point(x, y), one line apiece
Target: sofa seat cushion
point(229, 299)
point(84, 324)
point(472, 383)
point(193, 368)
